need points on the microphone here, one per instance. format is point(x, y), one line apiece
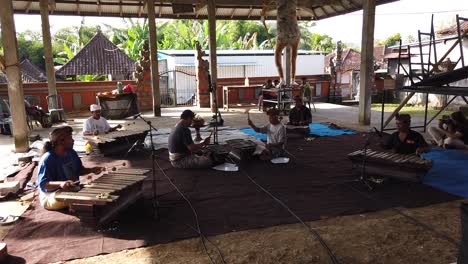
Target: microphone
point(136, 116)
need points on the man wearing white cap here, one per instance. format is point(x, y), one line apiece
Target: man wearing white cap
point(97, 124)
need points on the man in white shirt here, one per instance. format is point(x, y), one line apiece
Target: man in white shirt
point(97, 124)
point(276, 136)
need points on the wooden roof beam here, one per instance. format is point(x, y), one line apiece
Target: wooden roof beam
point(77, 6)
point(334, 9)
point(142, 5)
point(250, 12)
point(160, 9)
point(233, 12)
point(99, 7)
point(120, 9)
point(310, 11)
point(28, 6)
point(348, 4)
point(324, 11)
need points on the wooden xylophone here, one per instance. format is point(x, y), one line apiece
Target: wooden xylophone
point(392, 165)
point(118, 141)
point(99, 201)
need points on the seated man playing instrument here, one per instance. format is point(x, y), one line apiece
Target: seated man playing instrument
point(276, 136)
point(405, 140)
point(299, 118)
point(59, 168)
point(182, 149)
point(97, 124)
point(452, 131)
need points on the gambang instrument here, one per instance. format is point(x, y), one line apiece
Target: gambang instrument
point(100, 200)
point(392, 165)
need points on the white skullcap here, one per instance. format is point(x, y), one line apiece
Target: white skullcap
point(94, 107)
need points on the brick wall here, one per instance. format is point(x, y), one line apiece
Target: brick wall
point(86, 90)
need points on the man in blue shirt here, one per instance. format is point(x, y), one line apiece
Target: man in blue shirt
point(59, 168)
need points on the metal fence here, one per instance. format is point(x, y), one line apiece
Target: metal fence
point(178, 88)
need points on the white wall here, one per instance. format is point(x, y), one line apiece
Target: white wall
point(235, 67)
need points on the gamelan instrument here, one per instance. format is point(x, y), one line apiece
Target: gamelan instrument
point(241, 149)
point(99, 201)
point(217, 152)
point(118, 141)
point(387, 164)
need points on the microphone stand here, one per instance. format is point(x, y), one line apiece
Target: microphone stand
point(363, 176)
point(153, 170)
point(218, 120)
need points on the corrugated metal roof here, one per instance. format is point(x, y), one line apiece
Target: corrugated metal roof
point(99, 56)
point(225, 9)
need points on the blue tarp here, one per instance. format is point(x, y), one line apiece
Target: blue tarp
point(449, 171)
point(316, 129)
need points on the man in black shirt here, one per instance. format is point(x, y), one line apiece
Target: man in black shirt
point(182, 148)
point(299, 118)
point(405, 140)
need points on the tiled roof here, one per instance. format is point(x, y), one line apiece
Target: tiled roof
point(98, 57)
point(380, 52)
point(452, 30)
point(351, 60)
point(32, 73)
point(29, 73)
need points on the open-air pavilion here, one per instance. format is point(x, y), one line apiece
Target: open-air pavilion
point(313, 209)
point(211, 10)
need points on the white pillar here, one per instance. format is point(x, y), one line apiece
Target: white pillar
point(13, 72)
point(154, 58)
point(213, 62)
point(49, 61)
point(367, 62)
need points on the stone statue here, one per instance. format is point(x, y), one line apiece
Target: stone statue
point(202, 69)
point(288, 35)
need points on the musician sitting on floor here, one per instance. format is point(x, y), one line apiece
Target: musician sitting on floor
point(452, 131)
point(405, 140)
point(97, 124)
point(276, 136)
point(59, 168)
point(299, 118)
point(182, 149)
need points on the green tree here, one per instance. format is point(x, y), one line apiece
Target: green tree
point(410, 39)
point(30, 47)
point(131, 38)
point(391, 40)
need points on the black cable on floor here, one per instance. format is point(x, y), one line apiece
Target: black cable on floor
point(311, 230)
point(198, 229)
point(416, 221)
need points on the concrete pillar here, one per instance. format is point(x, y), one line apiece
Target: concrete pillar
point(367, 62)
point(154, 58)
point(49, 61)
point(213, 62)
point(13, 72)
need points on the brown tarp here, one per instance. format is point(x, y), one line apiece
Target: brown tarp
point(317, 184)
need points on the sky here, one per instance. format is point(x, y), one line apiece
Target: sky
point(405, 17)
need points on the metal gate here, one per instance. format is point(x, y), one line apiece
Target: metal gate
point(178, 88)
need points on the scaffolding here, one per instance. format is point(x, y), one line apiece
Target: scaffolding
point(430, 74)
